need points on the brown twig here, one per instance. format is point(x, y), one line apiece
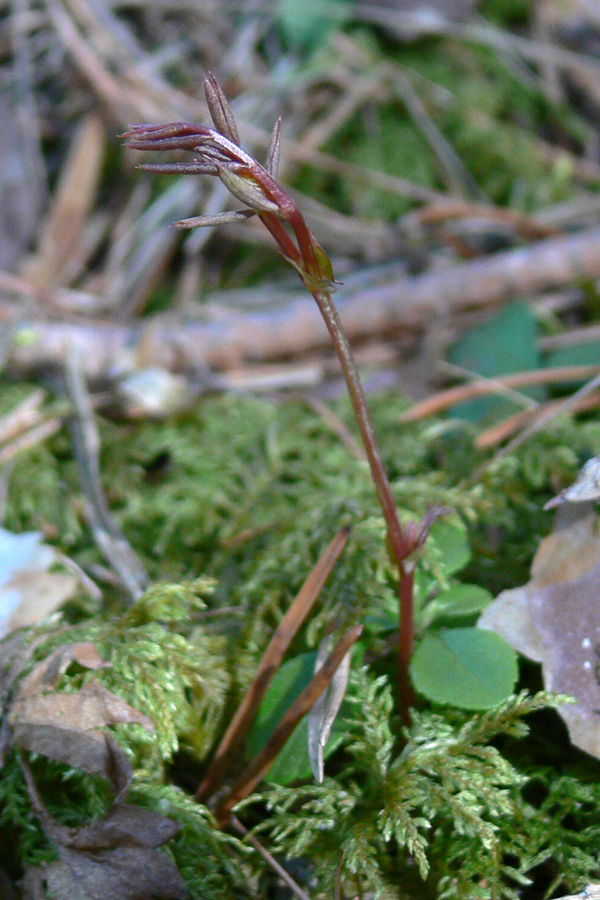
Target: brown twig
point(269, 858)
point(531, 419)
point(446, 399)
point(86, 447)
point(270, 662)
point(261, 763)
point(387, 307)
point(527, 226)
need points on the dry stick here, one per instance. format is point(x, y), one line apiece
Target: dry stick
point(445, 399)
point(409, 303)
point(269, 858)
point(86, 448)
point(469, 375)
point(573, 337)
point(270, 662)
point(557, 410)
point(542, 419)
point(503, 430)
point(527, 226)
point(29, 439)
point(261, 763)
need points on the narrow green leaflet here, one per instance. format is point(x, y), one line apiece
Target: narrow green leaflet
point(465, 667)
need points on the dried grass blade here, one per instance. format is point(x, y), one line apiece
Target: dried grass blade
point(261, 763)
point(63, 230)
point(86, 447)
point(239, 215)
point(273, 655)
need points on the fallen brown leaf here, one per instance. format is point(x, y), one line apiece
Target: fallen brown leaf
point(110, 859)
point(555, 619)
point(69, 727)
point(28, 591)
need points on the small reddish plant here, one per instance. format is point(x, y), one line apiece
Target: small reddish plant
point(218, 153)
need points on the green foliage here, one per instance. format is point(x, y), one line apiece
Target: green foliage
point(487, 113)
point(179, 680)
point(449, 801)
point(505, 343)
point(464, 667)
point(293, 763)
point(254, 521)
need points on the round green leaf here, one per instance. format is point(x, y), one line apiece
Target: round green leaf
point(462, 600)
point(449, 541)
point(465, 667)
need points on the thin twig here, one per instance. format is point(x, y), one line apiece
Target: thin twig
point(270, 662)
point(459, 180)
point(335, 423)
point(504, 390)
point(503, 430)
point(269, 858)
point(546, 416)
point(86, 445)
point(446, 399)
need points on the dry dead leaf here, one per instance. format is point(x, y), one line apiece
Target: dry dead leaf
point(28, 592)
point(124, 824)
point(555, 619)
point(110, 859)
point(125, 873)
point(70, 727)
point(323, 714)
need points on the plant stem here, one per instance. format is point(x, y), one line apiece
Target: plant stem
point(400, 544)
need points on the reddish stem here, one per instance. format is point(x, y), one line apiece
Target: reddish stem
point(399, 542)
point(406, 642)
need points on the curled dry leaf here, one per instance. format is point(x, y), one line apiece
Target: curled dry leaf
point(70, 727)
point(110, 859)
point(28, 592)
point(555, 619)
point(585, 487)
point(322, 715)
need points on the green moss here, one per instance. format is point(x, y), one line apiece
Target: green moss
point(242, 529)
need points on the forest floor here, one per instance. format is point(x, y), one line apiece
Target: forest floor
point(189, 524)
